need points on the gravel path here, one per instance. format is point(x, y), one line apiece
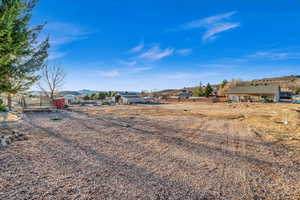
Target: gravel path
point(111, 157)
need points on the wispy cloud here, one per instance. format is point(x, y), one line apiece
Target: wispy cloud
point(275, 55)
point(129, 63)
point(137, 48)
point(156, 53)
point(213, 25)
point(185, 75)
point(219, 28)
point(56, 54)
point(208, 21)
point(184, 52)
point(138, 69)
point(62, 34)
point(110, 74)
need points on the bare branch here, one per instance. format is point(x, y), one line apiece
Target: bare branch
point(53, 78)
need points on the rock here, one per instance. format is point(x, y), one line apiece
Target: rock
point(21, 137)
point(3, 142)
point(8, 137)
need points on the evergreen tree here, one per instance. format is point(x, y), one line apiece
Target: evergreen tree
point(208, 90)
point(21, 55)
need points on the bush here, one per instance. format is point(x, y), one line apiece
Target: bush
point(198, 92)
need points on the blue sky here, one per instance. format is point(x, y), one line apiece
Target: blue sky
point(160, 44)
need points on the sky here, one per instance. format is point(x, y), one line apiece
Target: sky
point(150, 45)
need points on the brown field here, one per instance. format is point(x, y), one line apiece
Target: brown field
point(168, 151)
point(266, 120)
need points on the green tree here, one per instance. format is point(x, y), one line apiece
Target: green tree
point(208, 90)
point(21, 55)
point(198, 92)
point(111, 94)
point(93, 96)
point(86, 98)
point(102, 95)
point(224, 83)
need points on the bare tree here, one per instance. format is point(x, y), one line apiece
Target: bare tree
point(52, 80)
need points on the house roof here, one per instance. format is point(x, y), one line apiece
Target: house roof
point(130, 96)
point(259, 89)
point(127, 93)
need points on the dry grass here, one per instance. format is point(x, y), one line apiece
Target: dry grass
point(265, 119)
point(174, 151)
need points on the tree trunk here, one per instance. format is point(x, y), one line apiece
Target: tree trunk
point(9, 101)
point(23, 102)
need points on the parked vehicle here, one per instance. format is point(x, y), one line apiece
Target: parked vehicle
point(296, 99)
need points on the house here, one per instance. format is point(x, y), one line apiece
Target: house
point(128, 98)
point(254, 93)
point(69, 99)
point(185, 94)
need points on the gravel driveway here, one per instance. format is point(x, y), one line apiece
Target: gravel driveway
point(106, 156)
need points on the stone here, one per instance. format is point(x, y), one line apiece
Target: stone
point(8, 137)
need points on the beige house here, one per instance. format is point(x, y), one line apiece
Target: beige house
point(128, 98)
point(256, 93)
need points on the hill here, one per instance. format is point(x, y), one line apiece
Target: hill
point(287, 83)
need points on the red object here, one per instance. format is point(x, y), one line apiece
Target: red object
point(59, 103)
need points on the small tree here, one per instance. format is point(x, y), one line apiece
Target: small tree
point(52, 80)
point(93, 96)
point(222, 88)
point(224, 83)
point(198, 92)
point(86, 98)
point(208, 90)
point(102, 95)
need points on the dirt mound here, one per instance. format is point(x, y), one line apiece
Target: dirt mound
point(8, 117)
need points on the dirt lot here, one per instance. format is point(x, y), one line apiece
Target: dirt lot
point(172, 151)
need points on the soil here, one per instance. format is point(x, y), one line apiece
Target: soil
point(110, 156)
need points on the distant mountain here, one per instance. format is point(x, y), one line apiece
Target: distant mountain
point(70, 93)
point(83, 92)
point(79, 92)
point(35, 93)
point(86, 91)
point(287, 83)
